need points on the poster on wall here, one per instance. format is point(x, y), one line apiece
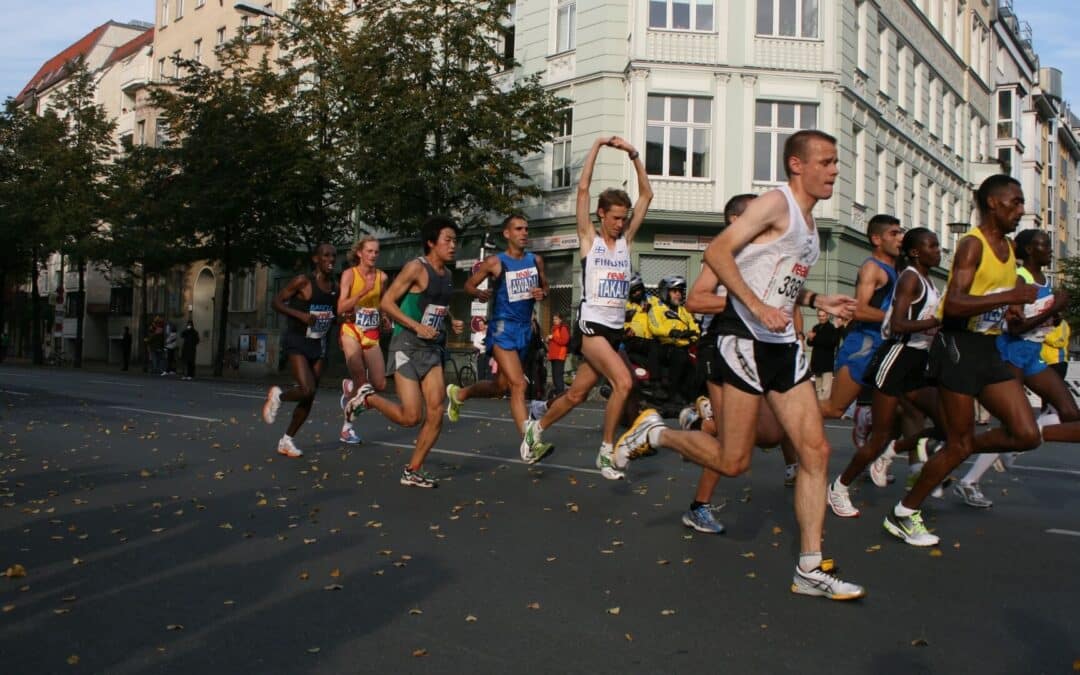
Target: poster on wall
point(244, 343)
point(260, 348)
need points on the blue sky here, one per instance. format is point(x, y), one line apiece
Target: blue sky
point(33, 31)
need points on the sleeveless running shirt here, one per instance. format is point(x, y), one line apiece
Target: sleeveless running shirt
point(991, 276)
point(881, 299)
point(367, 307)
point(322, 305)
point(1043, 301)
point(776, 271)
point(430, 306)
point(514, 287)
point(923, 307)
point(606, 276)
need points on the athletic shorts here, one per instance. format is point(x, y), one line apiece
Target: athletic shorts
point(965, 362)
point(708, 359)
point(513, 336)
point(759, 367)
point(412, 358)
point(897, 369)
point(312, 349)
point(367, 338)
point(582, 329)
point(856, 351)
point(1024, 354)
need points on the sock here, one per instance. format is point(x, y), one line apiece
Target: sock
point(695, 505)
point(346, 427)
point(654, 435)
point(286, 437)
point(915, 468)
point(808, 561)
point(410, 467)
point(902, 511)
point(982, 463)
point(839, 486)
point(606, 448)
point(889, 453)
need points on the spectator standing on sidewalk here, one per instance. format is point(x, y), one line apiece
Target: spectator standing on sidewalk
point(479, 343)
point(125, 348)
point(824, 338)
point(172, 341)
point(1055, 352)
point(187, 352)
point(558, 343)
point(155, 345)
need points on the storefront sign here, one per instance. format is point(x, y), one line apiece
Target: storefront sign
point(556, 242)
point(680, 242)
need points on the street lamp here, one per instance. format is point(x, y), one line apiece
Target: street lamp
point(958, 228)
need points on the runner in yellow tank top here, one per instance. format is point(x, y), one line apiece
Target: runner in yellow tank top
point(964, 358)
point(358, 307)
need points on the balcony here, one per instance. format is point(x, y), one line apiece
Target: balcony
point(135, 74)
point(683, 195)
point(789, 53)
point(561, 67)
point(681, 47)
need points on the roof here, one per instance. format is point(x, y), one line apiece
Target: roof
point(130, 47)
point(52, 70)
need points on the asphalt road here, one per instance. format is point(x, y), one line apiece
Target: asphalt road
point(160, 533)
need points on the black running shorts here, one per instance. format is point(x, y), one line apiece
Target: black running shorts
point(759, 367)
point(965, 362)
point(897, 369)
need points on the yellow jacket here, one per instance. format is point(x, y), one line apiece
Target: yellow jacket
point(638, 324)
point(1055, 347)
point(664, 319)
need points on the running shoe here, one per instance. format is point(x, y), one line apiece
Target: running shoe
point(538, 452)
point(605, 461)
point(790, 472)
point(860, 430)
point(879, 468)
point(349, 436)
point(635, 441)
point(272, 405)
point(914, 471)
point(703, 519)
point(687, 417)
point(537, 409)
point(531, 439)
point(840, 500)
point(910, 529)
point(418, 478)
point(824, 581)
point(972, 495)
point(704, 407)
point(453, 404)
point(346, 392)
point(286, 447)
point(358, 403)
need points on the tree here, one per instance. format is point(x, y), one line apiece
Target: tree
point(89, 146)
point(1069, 279)
point(231, 188)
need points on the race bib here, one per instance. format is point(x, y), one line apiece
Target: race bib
point(786, 282)
point(367, 318)
point(434, 316)
point(324, 318)
point(991, 321)
point(520, 284)
point(610, 289)
point(1038, 333)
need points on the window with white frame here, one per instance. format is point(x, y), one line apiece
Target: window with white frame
point(561, 150)
point(220, 37)
point(161, 68)
point(917, 95)
point(694, 15)
point(788, 18)
point(882, 180)
point(1005, 114)
point(196, 51)
point(179, 9)
point(565, 26)
point(916, 199)
point(958, 129)
point(884, 52)
point(900, 190)
point(931, 207)
point(946, 119)
point(199, 3)
point(862, 33)
point(242, 291)
point(677, 138)
point(935, 95)
point(164, 13)
point(902, 75)
point(774, 122)
point(860, 166)
point(176, 63)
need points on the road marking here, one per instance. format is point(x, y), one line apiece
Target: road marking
point(1068, 533)
point(13, 393)
point(122, 384)
point(507, 419)
point(491, 458)
point(166, 414)
point(1047, 469)
point(238, 395)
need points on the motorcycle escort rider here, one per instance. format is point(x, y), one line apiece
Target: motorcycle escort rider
point(675, 329)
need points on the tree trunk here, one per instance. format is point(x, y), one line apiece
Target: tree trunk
point(80, 313)
point(223, 319)
point(35, 311)
point(3, 302)
point(144, 322)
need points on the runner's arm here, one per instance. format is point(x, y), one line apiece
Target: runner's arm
point(285, 294)
point(345, 304)
point(585, 229)
point(959, 302)
point(489, 268)
point(541, 291)
point(402, 284)
point(908, 287)
point(645, 193)
point(702, 298)
point(870, 278)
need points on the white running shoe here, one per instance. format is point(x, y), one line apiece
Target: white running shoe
point(687, 417)
point(635, 441)
point(910, 529)
point(537, 409)
point(530, 442)
point(358, 403)
point(879, 468)
point(791, 471)
point(605, 461)
point(840, 500)
point(972, 495)
point(349, 436)
point(286, 447)
point(272, 405)
point(824, 581)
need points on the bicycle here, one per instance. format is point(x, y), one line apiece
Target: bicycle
point(58, 358)
point(464, 375)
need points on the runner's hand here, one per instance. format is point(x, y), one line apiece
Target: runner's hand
point(310, 319)
point(1025, 295)
point(773, 318)
point(426, 332)
point(483, 294)
point(842, 306)
point(538, 294)
point(458, 326)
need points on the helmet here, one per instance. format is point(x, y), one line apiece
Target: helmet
point(668, 284)
point(636, 282)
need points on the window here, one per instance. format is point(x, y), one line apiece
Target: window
point(565, 26)
point(220, 39)
point(141, 132)
point(902, 76)
point(677, 138)
point(1005, 114)
point(681, 14)
point(242, 291)
point(199, 3)
point(164, 13)
point(900, 191)
point(884, 48)
point(946, 121)
point(161, 68)
point(935, 95)
point(958, 128)
point(561, 150)
point(862, 34)
point(774, 122)
point(507, 34)
point(120, 300)
point(176, 63)
point(161, 132)
point(196, 51)
point(179, 9)
point(931, 207)
point(860, 166)
point(788, 18)
point(1004, 158)
point(882, 180)
point(73, 304)
point(917, 81)
point(916, 199)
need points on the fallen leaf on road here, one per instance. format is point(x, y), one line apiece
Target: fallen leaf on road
point(749, 554)
point(352, 514)
point(416, 611)
point(62, 610)
point(335, 573)
point(314, 650)
point(551, 558)
point(687, 561)
point(419, 652)
point(15, 571)
point(776, 529)
point(936, 553)
point(304, 576)
point(310, 541)
point(629, 637)
point(663, 562)
point(873, 549)
point(470, 619)
point(8, 608)
point(73, 660)
point(613, 610)
point(175, 626)
point(919, 643)
point(333, 587)
point(666, 612)
point(533, 605)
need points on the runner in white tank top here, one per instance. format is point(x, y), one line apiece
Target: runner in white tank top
point(606, 276)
